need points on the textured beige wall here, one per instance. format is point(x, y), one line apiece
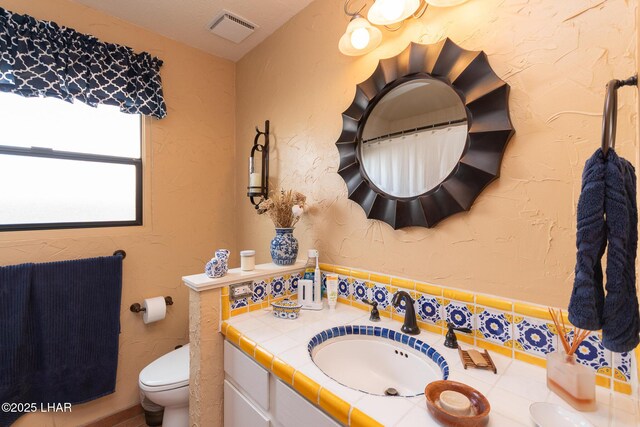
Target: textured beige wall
point(518, 240)
point(190, 177)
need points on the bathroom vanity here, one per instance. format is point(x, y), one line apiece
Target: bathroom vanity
point(262, 365)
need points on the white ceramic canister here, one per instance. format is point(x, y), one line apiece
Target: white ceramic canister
point(248, 260)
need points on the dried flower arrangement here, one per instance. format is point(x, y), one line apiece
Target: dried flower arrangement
point(284, 208)
point(578, 335)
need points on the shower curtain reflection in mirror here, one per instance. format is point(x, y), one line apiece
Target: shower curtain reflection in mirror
point(410, 165)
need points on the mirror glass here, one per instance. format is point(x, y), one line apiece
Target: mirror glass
point(414, 137)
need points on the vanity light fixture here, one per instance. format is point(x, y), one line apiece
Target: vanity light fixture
point(259, 181)
point(361, 37)
point(389, 12)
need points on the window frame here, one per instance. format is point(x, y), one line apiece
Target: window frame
point(97, 158)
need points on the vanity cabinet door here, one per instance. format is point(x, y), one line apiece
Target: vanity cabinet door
point(251, 378)
point(292, 410)
point(239, 412)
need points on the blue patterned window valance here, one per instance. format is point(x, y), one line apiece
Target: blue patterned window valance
point(40, 58)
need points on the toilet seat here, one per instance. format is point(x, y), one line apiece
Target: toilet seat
point(168, 372)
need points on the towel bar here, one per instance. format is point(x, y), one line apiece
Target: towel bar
point(610, 115)
point(120, 252)
point(137, 308)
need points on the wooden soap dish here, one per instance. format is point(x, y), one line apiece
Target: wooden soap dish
point(468, 362)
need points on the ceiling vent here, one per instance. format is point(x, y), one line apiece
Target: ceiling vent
point(231, 27)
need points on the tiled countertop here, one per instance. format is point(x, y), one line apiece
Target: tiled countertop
point(510, 392)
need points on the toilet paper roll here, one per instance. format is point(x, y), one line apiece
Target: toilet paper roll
point(156, 309)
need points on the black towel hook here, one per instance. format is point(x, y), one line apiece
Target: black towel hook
point(610, 114)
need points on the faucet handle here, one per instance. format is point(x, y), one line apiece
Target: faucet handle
point(455, 328)
point(375, 314)
point(451, 340)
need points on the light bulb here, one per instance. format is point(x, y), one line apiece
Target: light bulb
point(360, 38)
point(392, 9)
point(389, 12)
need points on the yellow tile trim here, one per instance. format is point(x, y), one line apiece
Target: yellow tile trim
point(360, 419)
point(380, 278)
point(342, 270)
point(493, 302)
point(426, 288)
point(225, 291)
point(238, 311)
point(360, 274)
point(360, 305)
point(343, 300)
point(430, 327)
point(506, 351)
point(226, 305)
point(327, 268)
point(465, 338)
point(457, 295)
point(223, 328)
point(386, 314)
point(247, 345)
point(334, 406)
point(622, 387)
point(306, 387)
point(403, 283)
point(254, 307)
point(282, 370)
point(603, 381)
point(233, 335)
point(263, 357)
point(533, 360)
point(531, 310)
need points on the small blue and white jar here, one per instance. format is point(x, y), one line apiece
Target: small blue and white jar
point(284, 247)
point(219, 265)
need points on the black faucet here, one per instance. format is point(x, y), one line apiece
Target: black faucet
point(375, 314)
point(410, 325)
point(450, 340)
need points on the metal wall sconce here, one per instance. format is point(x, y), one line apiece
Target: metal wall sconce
point(259, 181)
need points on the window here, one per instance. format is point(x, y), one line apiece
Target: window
point(66, 165)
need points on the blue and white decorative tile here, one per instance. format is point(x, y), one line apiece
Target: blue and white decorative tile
point(622, 366)
point(459, 314)
point(533, 336)
point(259, 291)
point(239, 303)
point(592, 353)
point(380, 294)
point(360, 290)
point(291, 284)
point(277, 287)
point(492, 325)
point(344, 288)
point(428, 309)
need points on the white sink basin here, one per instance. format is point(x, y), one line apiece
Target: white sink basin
point(377, 360)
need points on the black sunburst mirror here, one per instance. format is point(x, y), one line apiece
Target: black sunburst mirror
point(483, 111)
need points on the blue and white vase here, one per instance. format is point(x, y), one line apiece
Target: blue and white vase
point(219, 265)
point(284, 247)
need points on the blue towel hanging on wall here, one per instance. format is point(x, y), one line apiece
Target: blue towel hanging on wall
point(59, 335)
point(607, 219)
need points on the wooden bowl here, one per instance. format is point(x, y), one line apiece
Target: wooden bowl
point(479, 404)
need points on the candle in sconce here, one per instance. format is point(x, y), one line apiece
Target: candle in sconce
point(255, 180)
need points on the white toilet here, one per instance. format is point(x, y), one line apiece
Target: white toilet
point(165, 382)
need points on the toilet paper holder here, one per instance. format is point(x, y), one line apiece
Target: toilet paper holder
point(137, 308)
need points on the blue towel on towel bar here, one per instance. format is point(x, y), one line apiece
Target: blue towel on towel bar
point(61, 343)
point(607, 219)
